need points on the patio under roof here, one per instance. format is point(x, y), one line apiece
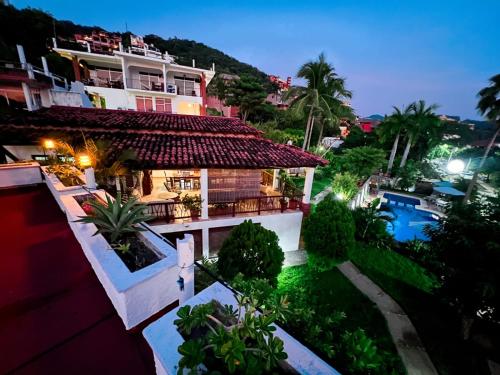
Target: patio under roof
point(161, 140)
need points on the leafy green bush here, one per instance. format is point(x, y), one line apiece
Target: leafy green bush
point(251, 250)
point(228, 340)
point(362, 355)
point(345, 186)
point(329, 233)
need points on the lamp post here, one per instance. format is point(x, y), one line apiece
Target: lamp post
point(86, 163)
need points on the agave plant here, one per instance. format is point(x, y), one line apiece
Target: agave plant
point(116, 219)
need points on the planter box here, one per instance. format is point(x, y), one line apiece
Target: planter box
point(164, 339)
point(19, 174)
point(137, 295)
point(58, 189)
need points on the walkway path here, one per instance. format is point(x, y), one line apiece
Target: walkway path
point(55, 317)
point(404, 335)
point(321, 195)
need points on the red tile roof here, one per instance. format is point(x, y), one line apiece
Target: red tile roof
point(58, 117)
point(164, 140)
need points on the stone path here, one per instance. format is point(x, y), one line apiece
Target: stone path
point(320, 196)
point(404, 335)
point(295, 258)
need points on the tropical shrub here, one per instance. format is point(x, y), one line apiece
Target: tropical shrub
point(406, 176)
point(364, 160)
point(345, 186)
point(228, 340)
point(114, 219)
point(329, 233)
point(251, 250)
point(371, 224)
point(467, 241)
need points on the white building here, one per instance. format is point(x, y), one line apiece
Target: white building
point(140, 79)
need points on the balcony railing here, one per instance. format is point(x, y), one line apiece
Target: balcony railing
point(99, 82)
point(139, 84)
point(170, 211)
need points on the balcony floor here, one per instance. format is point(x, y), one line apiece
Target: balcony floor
point(54, 314)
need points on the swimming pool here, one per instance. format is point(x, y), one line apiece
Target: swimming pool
point(408, 221)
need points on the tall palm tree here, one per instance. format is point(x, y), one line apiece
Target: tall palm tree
point(392, 127)
point(423, 121)
point(323, 91)
point(489, 107)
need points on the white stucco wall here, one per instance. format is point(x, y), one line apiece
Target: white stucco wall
point(66, 98)
point(58, 189)
point(115, 98)
point(164, 339)
point(137, 295)
point(19, 174)
point(286, 225)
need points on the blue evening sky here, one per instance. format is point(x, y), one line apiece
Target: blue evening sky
point(390, 52)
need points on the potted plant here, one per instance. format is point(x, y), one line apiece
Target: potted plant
point(222, 339)
point(218, 209)
point(289, 192)
point(68, 175)
point(118, 223)
point(193, 204)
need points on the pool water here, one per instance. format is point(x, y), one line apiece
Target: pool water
point(409, 222)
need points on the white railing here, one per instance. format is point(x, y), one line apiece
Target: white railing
point(360, 197)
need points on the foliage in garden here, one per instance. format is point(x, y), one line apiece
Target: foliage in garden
point(345, 186)
point(251, 250)
point(230, 340)
point(329, 233)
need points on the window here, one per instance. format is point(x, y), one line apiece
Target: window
point(144, 103)
point(163, 105)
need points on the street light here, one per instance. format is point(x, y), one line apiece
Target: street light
point(455, 166)
point(86, 163)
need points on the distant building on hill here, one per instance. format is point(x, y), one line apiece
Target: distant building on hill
point(367, 124)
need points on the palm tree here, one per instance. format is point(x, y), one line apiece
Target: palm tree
point(392, 126)
point(423, 120)
point(323, 94)
point(489, 107)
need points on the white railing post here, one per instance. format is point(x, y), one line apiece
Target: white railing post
point(185, 262)
point(204, 192)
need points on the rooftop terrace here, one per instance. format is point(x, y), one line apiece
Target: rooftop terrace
point(55, 316)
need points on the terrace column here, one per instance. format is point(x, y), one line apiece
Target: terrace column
point(204, 192)
point(276, 179)
point(76, 69)
point(306, 199)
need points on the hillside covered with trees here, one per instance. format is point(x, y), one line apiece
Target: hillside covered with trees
point(34, 29)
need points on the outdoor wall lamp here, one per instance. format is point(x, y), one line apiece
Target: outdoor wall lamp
point(49, 144)
point(85, 162)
